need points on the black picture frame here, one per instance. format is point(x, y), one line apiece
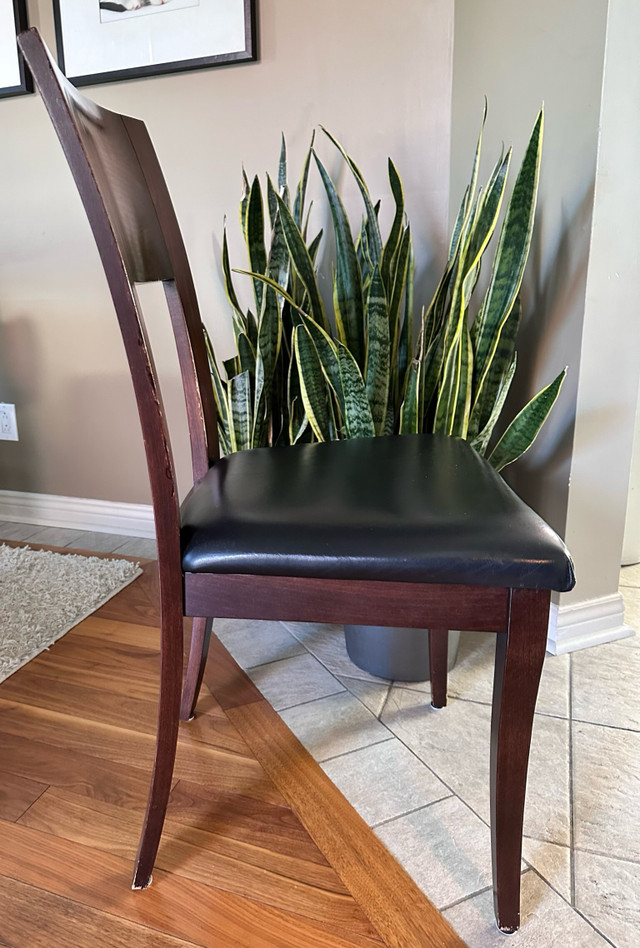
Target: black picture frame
point(17, 67)
point(75, 36)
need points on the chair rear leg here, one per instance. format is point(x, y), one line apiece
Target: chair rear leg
point(166, 740)
point(198, 651)
point(438, 658)
point(519, 658)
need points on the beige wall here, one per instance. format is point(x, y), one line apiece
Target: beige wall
point(380, 81)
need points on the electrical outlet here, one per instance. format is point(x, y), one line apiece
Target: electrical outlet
point(8, 423)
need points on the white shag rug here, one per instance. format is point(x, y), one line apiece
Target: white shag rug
point(44, 594)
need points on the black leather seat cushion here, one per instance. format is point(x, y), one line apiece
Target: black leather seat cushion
point(414, 508)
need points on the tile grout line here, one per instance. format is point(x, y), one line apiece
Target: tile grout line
point(301, 704)
point(609, 727)
point(437, 775)
point(608, 855)
point(385, 703)
point(417, 809)
point(572, 907)
point(275, 661)
point(466, 898)
point(355, 750)
point(370, 680)
point(325, 760)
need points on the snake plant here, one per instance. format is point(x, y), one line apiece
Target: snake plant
point(363, 369)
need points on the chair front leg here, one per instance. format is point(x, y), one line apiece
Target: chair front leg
point(167, 734)
point(438, 659)
point(198, 651)
point(519, 658)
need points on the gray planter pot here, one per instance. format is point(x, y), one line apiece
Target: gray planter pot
point(396, 653)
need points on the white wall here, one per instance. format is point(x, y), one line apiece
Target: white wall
point(580, 290)
point(520, 55)
point(379, 80)
point(610, 353)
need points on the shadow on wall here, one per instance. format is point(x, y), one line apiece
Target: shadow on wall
point(550, 337)
point(20, 385)
point(99, 452)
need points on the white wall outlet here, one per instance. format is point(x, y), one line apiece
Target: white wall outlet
point(8, 423)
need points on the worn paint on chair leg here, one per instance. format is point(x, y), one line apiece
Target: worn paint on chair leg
point(198, 651)
point(519, 658)
point(438, 657)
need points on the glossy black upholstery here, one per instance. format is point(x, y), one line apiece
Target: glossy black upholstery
point(415, 508)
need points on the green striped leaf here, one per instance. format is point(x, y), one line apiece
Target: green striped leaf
point(239, 321)
point(481, 441)
point(298, 420)
point(278, 262)
point(219, 393)
point(254, 238)
point(348, 281)
point(471, 193)
point(244, 201)
point(272, 203)
point(246, 354)
point(231, 366)
point(312, 384)
point(282, 165)
point(301, 189)
point(373, 229)
point(485, 394)
point(357, 414)
point(457, 228)
point(315, 245)
point(399, 285)
point(377, 368)
point(390, 249)
point(524, 428)
point(303, 264)
point(487, 213)
point(409, 413)
point(239, 402)
point(463, 405)
point(448, 391)
point(252, 328)
point(406, 333)
point(261, 401)
point(511, 255)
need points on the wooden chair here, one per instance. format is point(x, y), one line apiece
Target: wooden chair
point(415, 530)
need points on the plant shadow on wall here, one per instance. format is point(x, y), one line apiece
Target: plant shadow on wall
point(371, 366)
point(555, 285)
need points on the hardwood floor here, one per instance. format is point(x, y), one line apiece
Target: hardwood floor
point(259, 850)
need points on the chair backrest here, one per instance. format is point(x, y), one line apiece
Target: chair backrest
point(130, 212)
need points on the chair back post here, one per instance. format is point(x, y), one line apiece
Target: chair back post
point(127, 201)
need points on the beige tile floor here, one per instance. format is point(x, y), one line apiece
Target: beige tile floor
point(419, 777)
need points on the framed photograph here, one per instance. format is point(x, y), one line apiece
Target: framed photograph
point(104, 40)
point(14, 78)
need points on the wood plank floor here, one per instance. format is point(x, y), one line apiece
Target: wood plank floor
point(259, 850)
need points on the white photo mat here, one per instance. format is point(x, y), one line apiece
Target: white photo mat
point(13, 17)
point(98, 45)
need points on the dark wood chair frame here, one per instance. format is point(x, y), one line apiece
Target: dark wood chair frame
point(518, 617)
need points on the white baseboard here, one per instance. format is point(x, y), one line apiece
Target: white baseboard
point(101, 516)
point(583, 624)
